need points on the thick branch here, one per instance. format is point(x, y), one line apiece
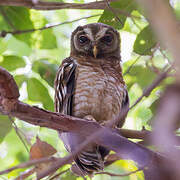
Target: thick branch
point(42, 5)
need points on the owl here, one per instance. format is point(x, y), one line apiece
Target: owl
point(89, 85)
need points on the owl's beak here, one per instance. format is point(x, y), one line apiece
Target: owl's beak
point(95, 51)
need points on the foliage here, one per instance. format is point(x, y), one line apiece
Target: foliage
point(33, 58)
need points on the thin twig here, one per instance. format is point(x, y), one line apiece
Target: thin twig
point(125, 13)
point(120, 175)
point(19, 135)
point(113, 11)
point(26, 174)
point(149, 89)
point(59, 174)
point(29, 163)
point(133, 20)
point(4, 33)
point(166, 57)
point(130, 67)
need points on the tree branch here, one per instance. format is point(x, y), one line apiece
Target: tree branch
point(43, 5)
point(119, 175)
point(59, 174)
point(29, 163)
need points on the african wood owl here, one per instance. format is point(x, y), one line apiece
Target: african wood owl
point(89, 85)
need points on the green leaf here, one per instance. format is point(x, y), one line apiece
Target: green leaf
point(46, 70)
point(44, 39)
point(144, 42)
point(5, 126)
point(38, 92)
point(17, 47)
point(20, 79)
point(154, 106)
point(11, 63)
point(48, 40)
point(69, 176)
point(117, 17)
point(144, 114)
point(141, 75)
point(177, 10)
point(3, 25)
point(19, 18)
point(3, 45)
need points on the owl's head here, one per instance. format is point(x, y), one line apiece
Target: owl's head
point(97, 40)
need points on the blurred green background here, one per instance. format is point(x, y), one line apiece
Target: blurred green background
point(33, 59)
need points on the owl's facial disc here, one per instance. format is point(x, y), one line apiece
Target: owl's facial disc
point(96, 40)
point(106, 39)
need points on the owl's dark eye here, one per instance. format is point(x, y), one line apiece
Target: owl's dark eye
point(107, 39)
point(83, 39)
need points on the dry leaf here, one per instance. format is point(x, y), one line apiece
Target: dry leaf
point(39, 150)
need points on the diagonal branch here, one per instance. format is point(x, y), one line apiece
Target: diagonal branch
point(29, 163)
point(119, 175)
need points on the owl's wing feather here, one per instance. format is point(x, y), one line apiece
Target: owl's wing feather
point(64, 91)
point(64, 86)
point(124, 104)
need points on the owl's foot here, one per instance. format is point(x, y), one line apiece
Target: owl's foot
point(90, 118)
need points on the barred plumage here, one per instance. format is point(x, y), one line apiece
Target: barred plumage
point(92, 88)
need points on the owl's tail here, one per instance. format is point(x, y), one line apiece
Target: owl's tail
point(89, 161)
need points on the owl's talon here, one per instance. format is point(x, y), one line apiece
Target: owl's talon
point(89, 117)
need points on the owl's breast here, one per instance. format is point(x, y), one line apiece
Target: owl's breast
point(97, 93)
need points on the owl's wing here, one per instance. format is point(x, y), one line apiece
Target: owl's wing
point(64, 86)
point(125, 104)
point(64, 91)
